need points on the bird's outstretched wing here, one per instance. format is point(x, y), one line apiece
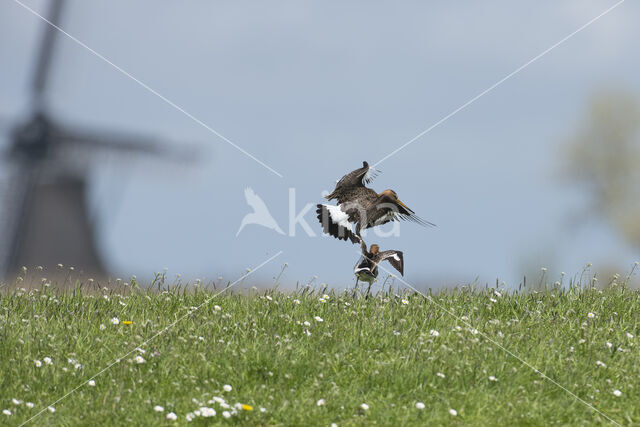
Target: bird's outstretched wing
point(356, 178)
point(395, 258)
point(406, 214)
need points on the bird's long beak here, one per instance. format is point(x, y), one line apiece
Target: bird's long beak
point(403, 205)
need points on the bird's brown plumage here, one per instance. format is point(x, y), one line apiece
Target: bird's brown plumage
point(367, 268)
point(363, 207)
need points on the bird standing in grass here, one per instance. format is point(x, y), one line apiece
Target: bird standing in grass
point(361, 206)
point(367, 267)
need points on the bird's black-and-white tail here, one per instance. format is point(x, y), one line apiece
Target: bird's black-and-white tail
point(335, 222)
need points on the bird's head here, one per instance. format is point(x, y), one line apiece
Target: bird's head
point(393, 197)
point(374, 249)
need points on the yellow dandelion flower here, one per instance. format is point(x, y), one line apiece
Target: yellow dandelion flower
point(127, 322)
point(247, 407)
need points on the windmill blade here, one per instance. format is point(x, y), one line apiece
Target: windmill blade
point(131, 143)
point(45, 53)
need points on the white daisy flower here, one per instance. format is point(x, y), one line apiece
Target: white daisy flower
point(227, 387)
point(47, 360)
point(441, 375)
point(217, 308)
point(226, 414)
point(307, 333)
point(16, 401)
point(492, 378)
point(51, 409)
point(420, 405)
point(139, 359)
point(102, 327)
point(38, 363)
point(6, 412)
point(617, 393)
point(318, 319)
point(189, 416)
point(29, 404)
point(453, 412)
point(115, 321)
point(364, 406)
point(172, 416)
point(405, 302)
point(296, 301)
point(590, 315)
point(306, 323)
point(158, 408)
point(269, 298)
point(92, 383)
point(207, 412)
point(320, 402)
point(629, 335)
point(434, 333)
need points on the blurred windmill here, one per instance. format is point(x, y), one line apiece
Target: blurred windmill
point(45, 216)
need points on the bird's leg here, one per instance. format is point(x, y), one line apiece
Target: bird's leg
point(363, 247)
point(369, 289)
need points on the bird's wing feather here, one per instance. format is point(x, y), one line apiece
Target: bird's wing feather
point(354, 179)
point(395, 258)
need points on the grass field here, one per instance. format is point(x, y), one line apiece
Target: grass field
point(319, 357)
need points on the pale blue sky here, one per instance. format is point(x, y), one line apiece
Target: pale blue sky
point(312, 89)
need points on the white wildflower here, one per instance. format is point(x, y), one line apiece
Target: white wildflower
point(420, 405)
point(92, 383)
point(158, 408)
point(115, 321)
point(172, 416)
point(320, 402)
point(207, 412)
point(364, 406)
point(453, 412)
point(227, 387)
